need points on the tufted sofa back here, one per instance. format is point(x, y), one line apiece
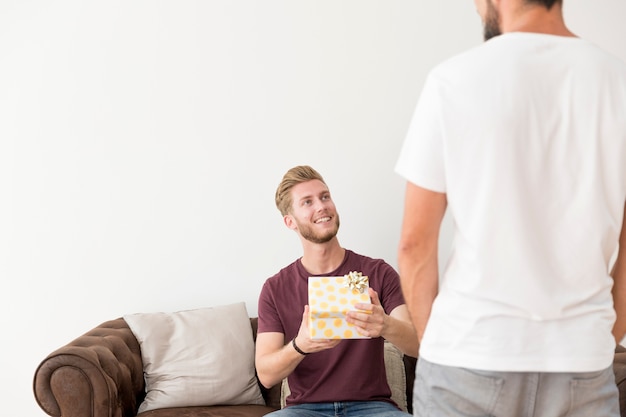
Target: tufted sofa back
point(104, 366)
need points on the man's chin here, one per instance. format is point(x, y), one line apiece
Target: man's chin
point(490, 34)
point(321, 238)
point(491, 26)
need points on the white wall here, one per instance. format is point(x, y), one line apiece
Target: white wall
point(141, 143)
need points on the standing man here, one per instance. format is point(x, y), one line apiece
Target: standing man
point(523, 139)
point(327, 377)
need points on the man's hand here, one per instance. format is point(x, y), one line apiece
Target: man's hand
point(276, 357)
point(395, 327)
point(304, 341)
point(371, 321)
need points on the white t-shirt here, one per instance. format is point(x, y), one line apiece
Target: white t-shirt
point(526, 135)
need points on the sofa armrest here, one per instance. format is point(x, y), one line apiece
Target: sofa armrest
point(396, 375)
point(619, 368)
point(100, 374)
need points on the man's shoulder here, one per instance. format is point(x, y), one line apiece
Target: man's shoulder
point(367, 262)
point(357, 257)
point(284, 273)
point(470, 56)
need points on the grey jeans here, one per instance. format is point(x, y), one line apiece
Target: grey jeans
point(443, 391)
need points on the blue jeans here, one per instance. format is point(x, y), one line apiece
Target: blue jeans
point(457, 392)
point(344, 409)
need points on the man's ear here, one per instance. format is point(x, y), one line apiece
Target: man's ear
point(290, 221)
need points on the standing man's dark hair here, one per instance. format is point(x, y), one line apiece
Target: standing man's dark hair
point(547, 3)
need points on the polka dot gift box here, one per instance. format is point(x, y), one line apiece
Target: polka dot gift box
point(330, 298)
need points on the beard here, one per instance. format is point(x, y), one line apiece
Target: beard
point(309, 234)
point(491, 26)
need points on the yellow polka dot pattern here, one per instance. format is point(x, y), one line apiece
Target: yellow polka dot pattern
point(329, 301)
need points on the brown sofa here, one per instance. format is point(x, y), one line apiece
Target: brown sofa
point(100, 374)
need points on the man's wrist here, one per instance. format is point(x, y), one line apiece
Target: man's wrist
point(295, 346)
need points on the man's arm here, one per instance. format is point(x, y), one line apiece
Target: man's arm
point(275, 359)
point(401, 331)
point(418, 252)
point(619, 285)
point(395, 327)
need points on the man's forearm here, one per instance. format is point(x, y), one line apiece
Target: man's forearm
point(418, 252)
point(619, 299)
point(619, 285)
point(274, 367)
point(419, 286)
point(401, 334)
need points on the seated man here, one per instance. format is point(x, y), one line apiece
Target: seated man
point(327, 377)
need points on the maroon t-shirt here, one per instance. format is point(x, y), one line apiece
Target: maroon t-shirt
point(355, 369)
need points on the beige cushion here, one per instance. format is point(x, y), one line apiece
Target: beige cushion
point(396, 378)
point(197, 357)
point(396, 374)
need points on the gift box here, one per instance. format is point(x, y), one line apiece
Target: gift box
point(330, 298)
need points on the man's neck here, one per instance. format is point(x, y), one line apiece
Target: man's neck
point(323, 258)
point(534, 19)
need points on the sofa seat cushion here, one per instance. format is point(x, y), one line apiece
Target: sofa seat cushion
point(213, 411)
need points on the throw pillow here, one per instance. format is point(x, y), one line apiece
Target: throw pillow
point(197, 357)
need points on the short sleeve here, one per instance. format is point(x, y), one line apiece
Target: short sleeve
point(421, 160)
point(391, 291)
point(269, 320)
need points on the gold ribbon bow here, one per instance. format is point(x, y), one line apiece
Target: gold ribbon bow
point(356, 281)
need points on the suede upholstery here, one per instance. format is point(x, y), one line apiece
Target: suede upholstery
point(100, 374)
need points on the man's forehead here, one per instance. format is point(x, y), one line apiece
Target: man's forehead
point(309, 188)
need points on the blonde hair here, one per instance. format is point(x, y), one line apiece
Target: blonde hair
point(293, 177)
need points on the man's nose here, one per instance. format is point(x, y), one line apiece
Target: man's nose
point(319, 205)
